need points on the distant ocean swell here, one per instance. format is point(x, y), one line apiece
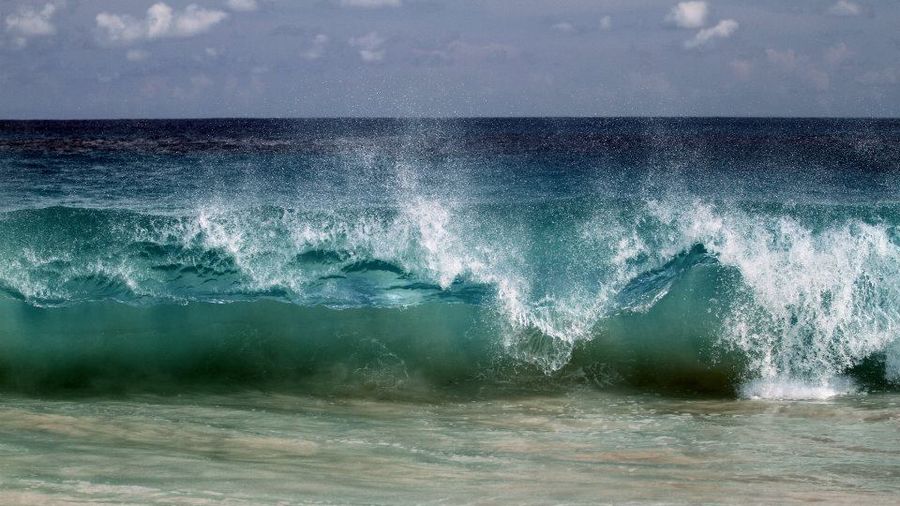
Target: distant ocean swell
point(769, 300)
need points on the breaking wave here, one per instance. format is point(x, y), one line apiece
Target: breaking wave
point(764, 300)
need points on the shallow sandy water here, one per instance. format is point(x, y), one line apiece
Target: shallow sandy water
point(582, 446)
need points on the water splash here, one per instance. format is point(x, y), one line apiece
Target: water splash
point(813, 294)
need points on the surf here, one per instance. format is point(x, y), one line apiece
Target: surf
point(662, 293)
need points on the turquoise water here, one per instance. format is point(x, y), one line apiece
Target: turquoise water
point(522, 310)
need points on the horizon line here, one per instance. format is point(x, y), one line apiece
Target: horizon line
point(435, 118)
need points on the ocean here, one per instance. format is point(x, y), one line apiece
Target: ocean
point(450, 311)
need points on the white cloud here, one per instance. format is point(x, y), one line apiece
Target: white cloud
point(723, 30)
point(885, 77)
point(460, 51)
point(371, 47)
point(605, 23)
point(688, 14)
point(819, 79)
point(791, 62)
point(837, 54)
point(464, 51)
point(242, 5)
point(201, 81)
point(318, 47)
point(136, 55)
point(786, 59)
point(741, 68)
point(161, 21)
point(29, 22)
point(564, 27)
point(371, 4)
point(845, 8)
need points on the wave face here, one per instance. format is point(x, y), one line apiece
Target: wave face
point(760, 257)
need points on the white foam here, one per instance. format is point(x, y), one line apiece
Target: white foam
point(784, 388)
point(817, 299)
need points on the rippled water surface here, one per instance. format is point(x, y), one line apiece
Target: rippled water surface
point(575, 447)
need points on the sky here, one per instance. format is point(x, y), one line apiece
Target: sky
point(437, 58)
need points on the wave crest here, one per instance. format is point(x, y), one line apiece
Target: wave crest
point(799, 293)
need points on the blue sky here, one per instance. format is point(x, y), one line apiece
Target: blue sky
point(281, 58)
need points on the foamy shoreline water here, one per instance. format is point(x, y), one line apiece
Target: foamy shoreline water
point(576, 447)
